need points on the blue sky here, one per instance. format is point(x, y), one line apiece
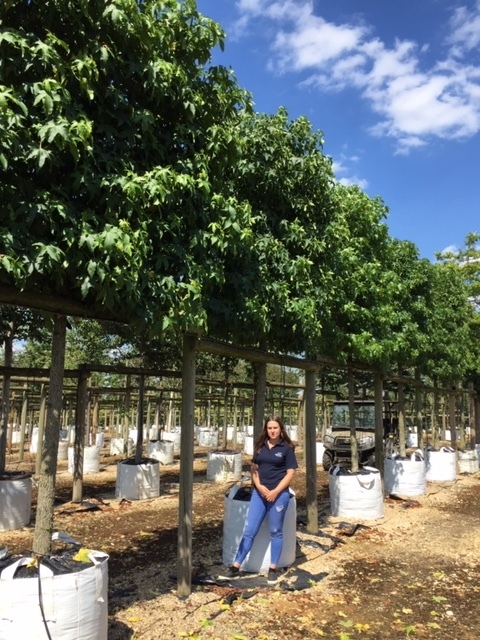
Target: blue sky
point(393, 86)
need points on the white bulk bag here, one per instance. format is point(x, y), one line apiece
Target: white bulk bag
point(441, 466)
point(91, 460)
point(117, 446)
point(207, 437)
point(15, 500)
point(468, 461)
point(292, 431)
point(161, 451)
point(224, 466)
point(153, 433)
point(258, 560)
point(100, 440)
point(356, 495)
point(319, 449)
point(405, 477)
point(240, 437)
point(63, 450)
point(248, 445)
point(138, 481)
point(75, 605)
point(172, 436)
point(412, 439)
point(34, 440)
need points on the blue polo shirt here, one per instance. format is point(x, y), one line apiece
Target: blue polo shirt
point(273, 463)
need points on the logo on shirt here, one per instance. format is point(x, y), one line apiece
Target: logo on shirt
point(279, 455)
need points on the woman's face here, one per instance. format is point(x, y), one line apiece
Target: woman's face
point(273, 430)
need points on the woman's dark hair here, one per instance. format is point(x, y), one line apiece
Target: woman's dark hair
point(264, 435)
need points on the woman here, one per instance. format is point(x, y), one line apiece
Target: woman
point(273, 468)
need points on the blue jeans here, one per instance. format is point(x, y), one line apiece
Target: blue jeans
point(258, 509)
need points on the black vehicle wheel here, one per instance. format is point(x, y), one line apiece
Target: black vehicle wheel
point(391, 447)
point(370, 461)
point(327, 460)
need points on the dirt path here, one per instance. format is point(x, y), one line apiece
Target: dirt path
point(413, 573)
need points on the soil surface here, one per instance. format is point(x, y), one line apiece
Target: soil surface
point(411, 574)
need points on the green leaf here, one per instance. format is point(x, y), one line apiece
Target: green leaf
point(439, 598)
point(346, 623)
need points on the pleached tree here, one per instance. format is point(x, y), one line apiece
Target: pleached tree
point(115, 134)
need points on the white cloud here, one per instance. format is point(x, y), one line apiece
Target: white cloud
point(465, 34)
point(341, 167)
point(300, 50)
point(450, 249)
point(413, 103)
point(360, 182)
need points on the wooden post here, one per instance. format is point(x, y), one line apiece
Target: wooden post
point(184, 554)
point(471, 414)
point(235, 418)
point(95, 417)
point(126, 417)
point(140, 411)
point(79, 443)
point(11, 422)
point(23, 422)
point(476, 418)
point(149, 417)
point(435, 410)
point(379, 431)
point(259, 400)
point(223, 431)
point(418, 410)
point(310, 453)
point(5, 400)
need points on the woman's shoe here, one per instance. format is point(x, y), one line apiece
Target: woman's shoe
point(230, 574)
point(272, 576)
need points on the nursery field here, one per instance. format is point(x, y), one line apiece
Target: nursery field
point(412, 574)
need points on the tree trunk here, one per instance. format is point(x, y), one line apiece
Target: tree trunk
point(42, 541)
point(471, 414)
point(184, 554)
point(5, 410)
point(223, 431)
point(476, 418)
point(353, 431)
point(419, 411)
point(435, 429)
point(453, 421)
point(80, 431)
point(140, 406)
point(401, 419)
point(41, 429)
point(310, 452)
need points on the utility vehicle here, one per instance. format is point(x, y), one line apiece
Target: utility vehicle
point(337, 441)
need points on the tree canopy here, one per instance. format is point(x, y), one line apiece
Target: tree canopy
point(136, 179)
point(276, 286)
point(467, 262)
point(114, 133)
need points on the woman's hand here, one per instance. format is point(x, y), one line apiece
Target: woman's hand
point(263, 491)
point(271, 495)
